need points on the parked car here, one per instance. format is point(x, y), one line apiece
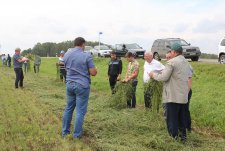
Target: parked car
point(103, 51)
point(122, 49)
point(161, 46)
point(222, 51)
point(88, 49)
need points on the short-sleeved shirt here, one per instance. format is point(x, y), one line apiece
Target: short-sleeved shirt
point(16, 63)
point(155, 66)
point(37, 60)
point(77, 64)
point(132, 67)
point(62, 65)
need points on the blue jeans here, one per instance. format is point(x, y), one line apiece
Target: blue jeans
point(77, 96)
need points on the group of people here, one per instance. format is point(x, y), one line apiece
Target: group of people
point(77, 66)
point(18, 63)
point(6, 60)
point(177, 78)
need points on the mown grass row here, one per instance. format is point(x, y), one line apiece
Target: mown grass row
point(33, 120)
point(27, 120)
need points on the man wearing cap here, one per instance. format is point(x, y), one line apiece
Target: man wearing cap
point(175, 91)
point(18, 61)
point(114, 70)
point(150, 65)
point(62, 66)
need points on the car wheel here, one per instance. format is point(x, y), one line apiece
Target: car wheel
point(156, 56)
point(222, 59)
point(194, 59)
point(99, 55)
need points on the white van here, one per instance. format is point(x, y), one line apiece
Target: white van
point(222, 51)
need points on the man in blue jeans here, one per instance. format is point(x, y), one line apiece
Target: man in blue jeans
point(79, 67)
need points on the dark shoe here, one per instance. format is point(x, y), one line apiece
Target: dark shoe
point(189, 130)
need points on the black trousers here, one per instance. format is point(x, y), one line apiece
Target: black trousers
point(36, 68)
point(63, 74)
point(188, 115)
point(112, 82)
point(132, 103)
point(9, 63)
point(147, 98)
point(175, 119)
point(19, 77)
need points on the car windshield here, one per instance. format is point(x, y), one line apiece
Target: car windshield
point(181, 42)
point(87, 48)
point(132, 46)
point(102, 47)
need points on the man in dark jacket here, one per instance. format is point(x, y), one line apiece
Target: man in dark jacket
point(9, 61)
point(18, 61)
point(114, 70)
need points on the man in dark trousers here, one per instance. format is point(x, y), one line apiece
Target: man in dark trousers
point(18, 63)
point(9, 61)
point(114, 70)
point(175, 92)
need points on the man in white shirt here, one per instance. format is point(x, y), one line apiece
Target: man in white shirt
point(150, 65)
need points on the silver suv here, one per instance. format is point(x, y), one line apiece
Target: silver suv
point(161, 46)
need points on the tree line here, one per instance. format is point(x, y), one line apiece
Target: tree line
point(51, 49)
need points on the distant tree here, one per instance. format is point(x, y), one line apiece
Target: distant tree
point(25, 52)
point(50, 49)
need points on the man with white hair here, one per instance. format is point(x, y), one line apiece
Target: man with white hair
point(150, 65)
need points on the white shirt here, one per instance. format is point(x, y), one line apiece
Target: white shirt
point(153, 66)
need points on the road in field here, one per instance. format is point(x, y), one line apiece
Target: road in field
point(210, 61)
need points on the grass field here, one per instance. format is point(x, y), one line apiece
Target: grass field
point(31, 118)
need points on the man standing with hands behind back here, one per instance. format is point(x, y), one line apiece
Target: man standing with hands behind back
point(175, 91)
point(79, 66)
point(114, 70)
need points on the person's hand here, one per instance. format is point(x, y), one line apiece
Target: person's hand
point(151, 74)
point(118, 78)
point(126, 80)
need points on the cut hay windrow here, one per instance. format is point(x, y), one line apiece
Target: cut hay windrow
point(123, 93)
point(155, 88)
point(57, 72)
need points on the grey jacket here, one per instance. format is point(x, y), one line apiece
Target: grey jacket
point(175, 78)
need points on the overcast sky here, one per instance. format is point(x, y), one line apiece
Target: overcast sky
point(23, 23)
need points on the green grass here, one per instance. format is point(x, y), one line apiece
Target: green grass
point(31, 118)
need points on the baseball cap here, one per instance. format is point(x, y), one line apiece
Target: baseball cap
point(177, 47)
point(62, 52)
